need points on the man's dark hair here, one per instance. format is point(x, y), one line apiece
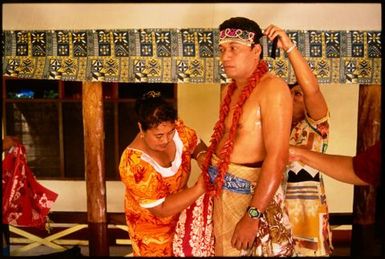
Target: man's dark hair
point(244, 24)
point(152, 110)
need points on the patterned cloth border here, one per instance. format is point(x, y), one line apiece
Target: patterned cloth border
point(179, 55)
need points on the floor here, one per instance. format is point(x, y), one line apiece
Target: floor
point(120, 251)
point(124, 251)
point(341, 251)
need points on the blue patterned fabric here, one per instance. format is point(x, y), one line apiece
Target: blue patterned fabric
point(179, 55)
point(232, 183)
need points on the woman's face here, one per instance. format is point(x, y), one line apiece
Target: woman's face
point(159, 137)
point(298, 103)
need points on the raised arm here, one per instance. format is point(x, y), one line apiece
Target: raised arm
point(315, 103)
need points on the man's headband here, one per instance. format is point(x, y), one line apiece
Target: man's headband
point(240, 36)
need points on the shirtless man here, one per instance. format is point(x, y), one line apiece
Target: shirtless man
point(248, 150)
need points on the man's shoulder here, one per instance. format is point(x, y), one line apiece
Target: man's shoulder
point(273, 83)
point(270, 78)
point(271, 89)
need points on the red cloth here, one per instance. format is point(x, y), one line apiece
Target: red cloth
point(366, 164)
point(25, 202)
point(194, 234)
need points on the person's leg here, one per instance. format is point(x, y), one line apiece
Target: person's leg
point(5, 239)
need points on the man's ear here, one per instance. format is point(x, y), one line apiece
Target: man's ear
point(140, 127)
point(257, 50)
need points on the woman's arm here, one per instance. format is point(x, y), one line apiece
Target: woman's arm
point(177, 202)
point(315, 103)
point(200, 152)
point(336, 166)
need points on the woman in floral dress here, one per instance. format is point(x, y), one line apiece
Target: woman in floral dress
point(155, 168)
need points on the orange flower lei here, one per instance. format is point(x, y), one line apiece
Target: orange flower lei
point(227, 149)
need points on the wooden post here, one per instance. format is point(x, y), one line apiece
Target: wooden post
point(365, 234)
point(93, 123)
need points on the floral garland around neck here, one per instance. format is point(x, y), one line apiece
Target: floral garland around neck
point(216, 187)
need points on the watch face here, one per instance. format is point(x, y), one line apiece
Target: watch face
point(254, 213)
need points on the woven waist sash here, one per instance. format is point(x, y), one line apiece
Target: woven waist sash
point(238, 178)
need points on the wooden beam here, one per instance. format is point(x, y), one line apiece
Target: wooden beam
point(93, 123)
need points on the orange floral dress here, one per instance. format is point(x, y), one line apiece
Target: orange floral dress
point(147, 185)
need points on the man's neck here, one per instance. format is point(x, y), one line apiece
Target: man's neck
point(242, 82)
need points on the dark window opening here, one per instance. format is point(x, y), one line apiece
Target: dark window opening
point(47, 116)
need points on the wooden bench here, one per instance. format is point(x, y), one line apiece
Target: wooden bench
point(71, 229)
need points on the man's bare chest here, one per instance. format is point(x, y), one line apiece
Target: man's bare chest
point(249, 118)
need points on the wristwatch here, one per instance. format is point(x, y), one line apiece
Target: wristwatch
point(254, 213)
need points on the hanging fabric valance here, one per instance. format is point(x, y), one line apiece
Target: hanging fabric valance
point(179, 55)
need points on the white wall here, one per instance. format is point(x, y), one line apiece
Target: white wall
point(315, 16)
point(342, 101)
point(72, 195)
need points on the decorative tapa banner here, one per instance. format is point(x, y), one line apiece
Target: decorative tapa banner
point(179, 55)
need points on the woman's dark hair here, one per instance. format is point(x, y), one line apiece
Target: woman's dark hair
point(152, 110)
point(292, 85)
point(244, 24)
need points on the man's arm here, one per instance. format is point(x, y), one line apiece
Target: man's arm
point(336, 166)
point(276, 112)
point(315, 103)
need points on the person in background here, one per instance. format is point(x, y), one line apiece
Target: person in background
point(304, 189)
point(248, 149)
point(25, 202)
point(8, 143)
point(155, 168)
point(361, 169)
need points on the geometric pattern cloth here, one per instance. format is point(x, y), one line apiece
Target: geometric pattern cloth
point(179, 55)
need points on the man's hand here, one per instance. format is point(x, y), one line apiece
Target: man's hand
point(245, 233)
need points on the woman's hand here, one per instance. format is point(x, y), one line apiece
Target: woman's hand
point(294, 153)
point(9, 141)
point(201, 158)
point(201, 183)
point(284, 41)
